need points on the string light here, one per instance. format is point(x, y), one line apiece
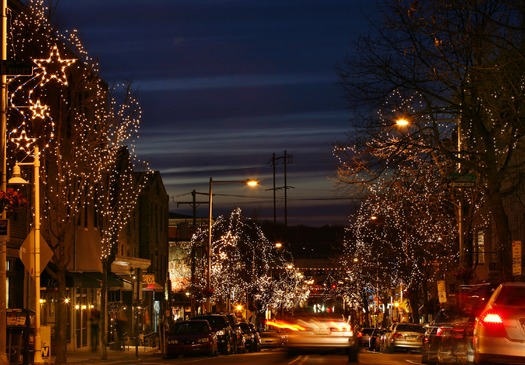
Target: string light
point(245, 261)
point(89, 167)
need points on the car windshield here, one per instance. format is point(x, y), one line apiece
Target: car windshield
point(189, 328)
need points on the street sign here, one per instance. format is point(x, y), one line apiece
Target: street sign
point(442, 291)
point(27, 253)
point(458, 180)
point(15, 68)
point(516, 258)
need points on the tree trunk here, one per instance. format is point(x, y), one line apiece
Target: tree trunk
point(104, 310)
point(61, 335)
point(503, 234)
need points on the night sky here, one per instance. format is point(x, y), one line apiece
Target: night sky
point(224, 85)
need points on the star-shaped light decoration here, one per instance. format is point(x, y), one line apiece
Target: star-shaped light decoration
point(54, 67)
point(23, 142)
point(39, 110)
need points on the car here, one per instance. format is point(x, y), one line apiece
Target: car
point(221, 325)
point(404, 336)
point(321, 334)
point(448, 338)
point(365, 335)
point(239, 343)
point(445, 338)
point(191, 337)
point(375, 339)
point(499, 330)
point(273, 338)
point(251, 336)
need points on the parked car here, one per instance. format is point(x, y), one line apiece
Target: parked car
point(239, 344)
point(251, 336)
point(499, 331)
point(446, 332)
point(365, 334)
point(375, 339)
point(273, 338)
point(221, 325)
point(191, 337)
point(323, 333)
point(448, 338)
point(404, 336)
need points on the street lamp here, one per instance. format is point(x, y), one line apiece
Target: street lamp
point(249, 182)
point(17, 179)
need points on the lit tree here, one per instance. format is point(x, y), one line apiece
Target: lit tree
point(400, 236)
point(404, 231)
point(246, 264)
point(81, 126)
point(464, 60)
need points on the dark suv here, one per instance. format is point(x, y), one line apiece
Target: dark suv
point(221, 325)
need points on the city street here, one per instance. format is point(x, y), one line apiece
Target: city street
point(280, 357)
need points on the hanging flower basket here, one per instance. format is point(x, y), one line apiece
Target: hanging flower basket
point(11, 199)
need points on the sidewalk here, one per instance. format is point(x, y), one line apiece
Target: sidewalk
point(127, 356)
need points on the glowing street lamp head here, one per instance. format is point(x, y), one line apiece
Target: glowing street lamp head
point(252, 182)
point(402, 122)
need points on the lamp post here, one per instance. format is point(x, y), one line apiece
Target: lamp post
point(248, 182)
point(17, 179)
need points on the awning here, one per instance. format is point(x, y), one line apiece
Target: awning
point(152, 287)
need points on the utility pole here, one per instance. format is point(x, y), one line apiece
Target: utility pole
point(194, 204)
point(285, 159)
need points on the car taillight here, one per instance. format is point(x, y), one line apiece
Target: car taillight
point(492, 323)
point(492, 318)
point(397, 335)
point(440, 331)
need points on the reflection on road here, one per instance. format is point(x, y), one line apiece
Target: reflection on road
point(280, 357)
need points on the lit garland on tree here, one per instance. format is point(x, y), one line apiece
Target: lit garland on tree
point(93, 127)
point(82, 127)
point(413, 233)
point(245, 261)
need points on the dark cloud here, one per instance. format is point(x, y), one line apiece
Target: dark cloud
point(224, 85)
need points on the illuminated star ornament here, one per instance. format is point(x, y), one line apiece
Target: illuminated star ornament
point(23, 142)
point(39, 110)
point(54, 67)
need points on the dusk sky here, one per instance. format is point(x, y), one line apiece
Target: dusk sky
point(224, 84)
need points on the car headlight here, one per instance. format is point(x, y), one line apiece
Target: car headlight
point(204, 340)
point(173, 342)
point(220, 333)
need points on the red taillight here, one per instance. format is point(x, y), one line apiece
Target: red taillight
point(492, 323)
point(491, 318)
point(440, 332)
point(397, 335)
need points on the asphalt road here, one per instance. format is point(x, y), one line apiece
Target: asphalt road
point(281, 358)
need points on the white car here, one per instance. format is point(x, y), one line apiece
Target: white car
point(318, 333)
point(499, 331)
